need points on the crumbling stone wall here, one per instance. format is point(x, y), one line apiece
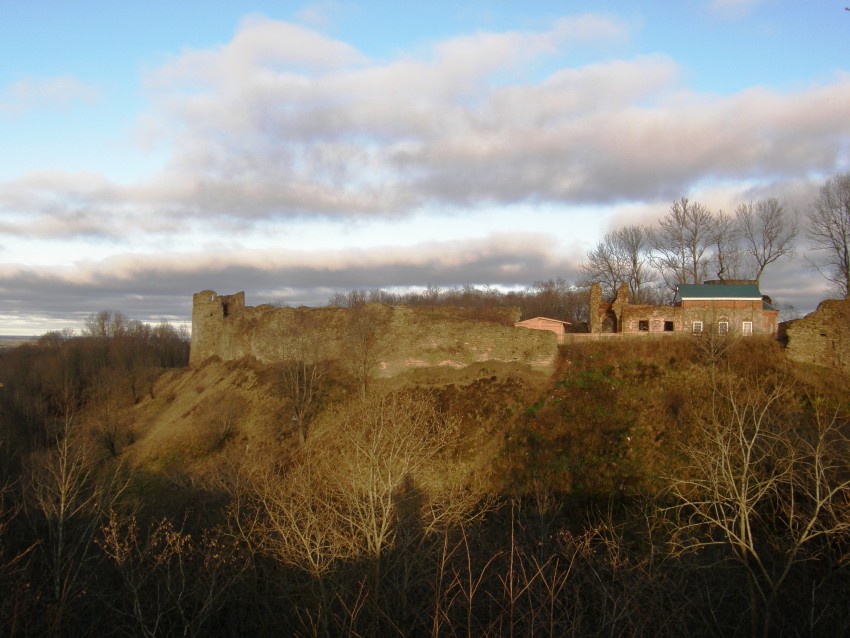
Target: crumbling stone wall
point(648, 318)
point(406, 337)
point(602, 316)
point(208, 312)
point(823, 336)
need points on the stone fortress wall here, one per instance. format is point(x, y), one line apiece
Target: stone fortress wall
point(223, 326)
point(822, 337)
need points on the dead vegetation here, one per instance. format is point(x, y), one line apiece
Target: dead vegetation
point(488, 500)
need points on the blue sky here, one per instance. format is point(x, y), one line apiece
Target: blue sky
point(154, 149)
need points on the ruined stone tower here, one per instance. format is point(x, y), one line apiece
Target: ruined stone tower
point(209, 312)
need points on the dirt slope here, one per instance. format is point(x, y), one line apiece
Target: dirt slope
point(196, 414)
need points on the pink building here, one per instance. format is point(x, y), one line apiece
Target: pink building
point(544, 323)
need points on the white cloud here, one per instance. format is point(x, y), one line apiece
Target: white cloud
point(284, 122)
point(57, 93)
point(732, 8)
point(284, 128)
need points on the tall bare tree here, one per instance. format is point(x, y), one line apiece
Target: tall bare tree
point(681, 243)
point(828, 231)
point(622, 257)
point(728, 256)
point(767, 232)
point(634, 243)
point(603, 266)
point(65, 496)
point(364, 332)
point(303, 370)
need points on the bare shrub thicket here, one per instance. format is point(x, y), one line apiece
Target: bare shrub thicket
point(220, 419)
point(377, 486)
point(554, 298)
point(766, 490)
point(66, 496)
point(171, 581)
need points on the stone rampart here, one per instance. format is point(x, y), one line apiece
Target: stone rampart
point(404, 337)
point(823, 336)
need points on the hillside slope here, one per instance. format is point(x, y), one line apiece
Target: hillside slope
point(199, 414)
point(609, 422)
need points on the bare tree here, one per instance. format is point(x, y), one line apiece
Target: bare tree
point(620, 258)
point(377, 482)
point(105, 324)
point(681, 243)
point(67, 494)
point(829, 232)
point(14, 561)
point(604, 266)
point(394, 474)
point(107, 402)
point(634, 242)
point(365, 329)
point(728, 256)
point(172, 582)
point(303, 371)
point(767, 231)
point(764, 488)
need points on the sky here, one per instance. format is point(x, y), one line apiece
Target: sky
point(154, 149)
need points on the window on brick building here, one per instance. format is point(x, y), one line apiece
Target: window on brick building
point(643, 325)
point(697, 327)
point(747, 328)
point(668, 326)
point(722, 327)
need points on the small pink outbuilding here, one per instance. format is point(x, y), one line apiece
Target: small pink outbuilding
point(544, 323)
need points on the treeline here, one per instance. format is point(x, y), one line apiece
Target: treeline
point(692, 244)
point(554, 298)
point(112, 362)
point(691, 487)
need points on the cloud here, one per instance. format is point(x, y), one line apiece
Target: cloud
point(732, 8)
point(285, 122)
point(150, 286)
point(57, 93)
point(358, 137)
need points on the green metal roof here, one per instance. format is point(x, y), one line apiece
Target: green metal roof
point(717, 291)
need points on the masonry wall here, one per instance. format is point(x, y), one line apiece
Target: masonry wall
point(654, 316)
point(408, 337)
point(602, 318)
point(208, 312)
point(822, 337)
point(736, 312)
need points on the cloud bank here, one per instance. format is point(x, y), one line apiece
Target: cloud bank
point(284, 123)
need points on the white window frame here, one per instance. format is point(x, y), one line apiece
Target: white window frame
point(697, 327)
point(723, 328)
point(747, 328)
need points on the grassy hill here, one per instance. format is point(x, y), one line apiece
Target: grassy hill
point(603, 498)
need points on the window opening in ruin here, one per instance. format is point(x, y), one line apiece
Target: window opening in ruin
point(722, 328)
point(747, 328)
point(668, 326)
point(643, 325)
point(697, 327)
point(224, 307)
